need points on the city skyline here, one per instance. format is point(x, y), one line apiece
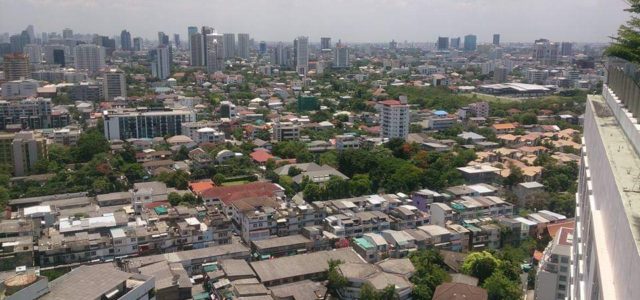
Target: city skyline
point(352, 22)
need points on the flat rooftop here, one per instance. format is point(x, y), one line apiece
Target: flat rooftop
point(300, 265)
point(624, 161)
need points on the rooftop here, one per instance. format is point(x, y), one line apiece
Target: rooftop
point(299, 265)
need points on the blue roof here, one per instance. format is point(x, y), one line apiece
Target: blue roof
point(440, 113)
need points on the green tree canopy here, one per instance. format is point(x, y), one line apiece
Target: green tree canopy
point(627, 44)
point(480, 265)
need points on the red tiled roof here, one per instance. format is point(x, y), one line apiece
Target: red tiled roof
point(260, 156)
point(230, 194)
point(201, 186)
point(555, 227)
point(390, 102)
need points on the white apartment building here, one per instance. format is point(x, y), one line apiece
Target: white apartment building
point(552, 279)
point(285, 131)
point(606, 246)
point(394, 118)
point(122, 125)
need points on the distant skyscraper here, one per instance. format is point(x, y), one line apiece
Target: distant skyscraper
point(262, 47)
point(16, 66)
point(470, 42)
point(455, 43)
point(114, 84)
point(34, 51)
point(125, 40)
point(279, 55)
point(137, 44)
point(160, 62)
point(205, 31)
point(197, 49)
point(496, 39)
point(393, 45)
point(325, 43)
point(301, 45)
point(566, 49)
point(215, 52)
point(176, 40)
point(163, 39)
point(443, 43)
point(341, 56)
point(229, 45)
point(45, 37)
point(89, 57)
point(67, 33)
point(31, 32)
point(545, 52)
point(243, 45)
point(191, 30)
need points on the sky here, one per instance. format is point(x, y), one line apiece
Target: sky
point(349, 20)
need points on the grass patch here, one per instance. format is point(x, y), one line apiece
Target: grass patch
point(52, 274)
point(230, 183)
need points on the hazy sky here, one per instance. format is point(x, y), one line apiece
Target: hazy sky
point(349, 20)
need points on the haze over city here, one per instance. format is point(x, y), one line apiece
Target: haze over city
point(352, 21)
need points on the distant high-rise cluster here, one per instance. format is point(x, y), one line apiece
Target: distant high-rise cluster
point(545, 52)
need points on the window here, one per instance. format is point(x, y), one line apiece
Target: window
point(563, 269)
point(562, 278)
point(562, 287)
point(564, 259)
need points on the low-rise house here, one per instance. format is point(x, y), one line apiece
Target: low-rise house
point(295, 268)
point(281, 246)
point(480, 173)
point(395, 272)
point(440, 236)
point(423, 198)
point(407, 217)
point(400, 242)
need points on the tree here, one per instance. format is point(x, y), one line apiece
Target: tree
point(515, 176)
point(174, 198)
point(360, 185)
point(312, 192)
point(90, 143)
point(189, 198)
point(429, 273)
point(368, 292)
point(480, 265)
point(182, 154)
point(293, 171)
point(627, 44)
point(218, 179)
point(499, 287)
point(335, 280)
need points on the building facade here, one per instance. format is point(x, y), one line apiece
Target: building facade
point(605, 244)
point(145, 124)
point(114, 84)
point(394, 119)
